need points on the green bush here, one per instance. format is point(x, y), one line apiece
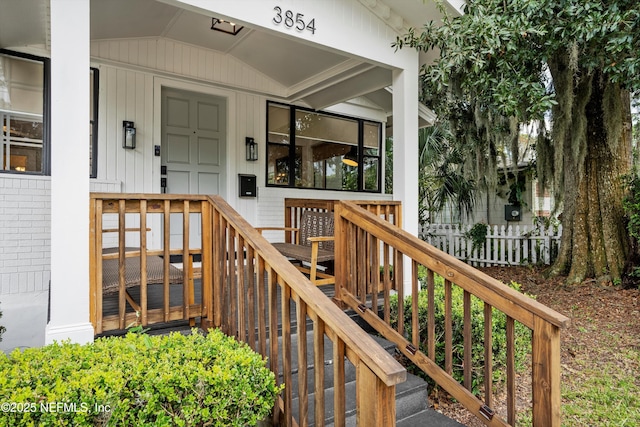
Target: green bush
point(499, 341)
point(138, 380)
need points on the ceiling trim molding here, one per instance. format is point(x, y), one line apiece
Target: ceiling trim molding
point(341, 72)
point(387, 14)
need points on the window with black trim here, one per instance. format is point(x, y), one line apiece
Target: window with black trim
point(312, 149)
point(24, 109)
point(93, 123)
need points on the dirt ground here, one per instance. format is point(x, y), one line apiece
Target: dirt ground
point(604, 324)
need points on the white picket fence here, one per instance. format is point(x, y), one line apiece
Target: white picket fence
point(504, 245)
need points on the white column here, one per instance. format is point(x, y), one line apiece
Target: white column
point(69, 305)
point(405, 144)
point(405, 153)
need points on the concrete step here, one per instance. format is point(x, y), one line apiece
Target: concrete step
point(427, 417)
point(350, 373)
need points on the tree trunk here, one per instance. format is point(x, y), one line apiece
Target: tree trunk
point(596, 154)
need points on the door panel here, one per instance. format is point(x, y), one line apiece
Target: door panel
point(193, 150)
point(208, 151)
point(177, 149)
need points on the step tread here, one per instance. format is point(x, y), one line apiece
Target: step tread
point(428, 417)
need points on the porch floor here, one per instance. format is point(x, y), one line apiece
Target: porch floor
point(155, 300)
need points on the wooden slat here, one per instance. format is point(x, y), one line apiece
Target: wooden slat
point(285, 298)
point(185, 257)
point(232, 315)
point(374, 267)
point(143, 263)
point(448, 329)
point(251, 299)
point(166, 229)
point(415, 327)
point(488, 355)
point(431, 322)
point(273, 327)
point(397, 277)
point(467, 342)
point(218, 265)
point(318, 359)
point(511, 372)
point(387, 282)
point(122, 301)
point(262, 314)
point(241, 292)
point(339, 398)
point(98, 266)
point(207, 265)
point(303, 395)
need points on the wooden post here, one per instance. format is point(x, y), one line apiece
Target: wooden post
point(376, 402)
point(341, 251)
point(93, 285)
point(206, 321)
point(546, 374)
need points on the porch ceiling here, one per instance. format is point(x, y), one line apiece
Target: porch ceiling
point(316, 77)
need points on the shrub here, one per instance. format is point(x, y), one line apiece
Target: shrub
point(140, 380)
point(499, 341)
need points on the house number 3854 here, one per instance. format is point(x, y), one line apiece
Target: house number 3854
point(289, 20)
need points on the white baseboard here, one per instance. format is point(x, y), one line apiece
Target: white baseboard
point(80, 333)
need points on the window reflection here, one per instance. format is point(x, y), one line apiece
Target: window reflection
point(21, 108)
point(328, 150)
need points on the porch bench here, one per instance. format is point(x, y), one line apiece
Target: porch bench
point(314, 244)
point(155, 274)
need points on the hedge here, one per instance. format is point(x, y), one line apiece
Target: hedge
point(137, 380)
point(499, 341)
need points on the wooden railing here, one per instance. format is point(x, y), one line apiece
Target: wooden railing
point(257, 296)
point(126, 214)
point(293, 208)
point(387, 210)
point(361, 236)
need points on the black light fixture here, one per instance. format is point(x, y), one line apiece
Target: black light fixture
point(128, 135)
point(252, 149)
point(351, 158)
point(225, 26)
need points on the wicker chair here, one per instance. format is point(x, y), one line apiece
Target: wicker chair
point(314, 243)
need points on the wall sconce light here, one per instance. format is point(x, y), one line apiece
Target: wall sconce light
point(225, 26)
point(351, 158)
point(128, 135)
point(252, 149)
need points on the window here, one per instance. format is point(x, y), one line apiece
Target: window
point(309, 149)
point(93, 123)
point(23, 113)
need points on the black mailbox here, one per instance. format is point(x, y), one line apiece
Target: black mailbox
point(512, 213)
point(247, 185)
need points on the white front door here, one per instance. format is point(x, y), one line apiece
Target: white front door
point(193, 150)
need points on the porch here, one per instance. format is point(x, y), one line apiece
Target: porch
point(253, 293)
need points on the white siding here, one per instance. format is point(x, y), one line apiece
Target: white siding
point(127, 93)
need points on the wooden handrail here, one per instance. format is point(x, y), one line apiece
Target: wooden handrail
point(363, 346)
point(451, 268)
point(361, 235)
